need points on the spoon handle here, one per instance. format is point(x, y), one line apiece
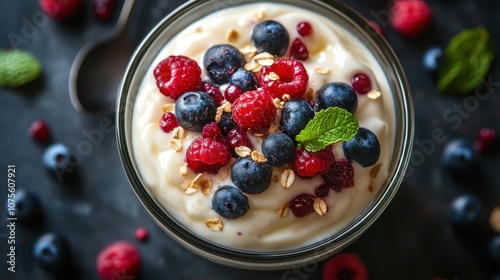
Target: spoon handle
point(124, 17)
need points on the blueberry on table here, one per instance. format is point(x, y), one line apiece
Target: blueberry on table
point(195, 109)
point(295, 116)
point(26, 207)
point(270, 36)
point(338, 94)
point(363, 148)
point(57, 158)
point(222, 61)
point(244, 79)
point(251, 176)
point(459, 158)
point(52, 252)
point(431, 61)
point(230, 202)
point(278, 148)
point(465, 211)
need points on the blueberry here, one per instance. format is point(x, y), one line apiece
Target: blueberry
point(432, 60)
point(226, 123)
point(244, 79)
point(295, 116)
point(494, 248)
point(270, 36)
point(58, 159)
point(338, 95)
point(251, 176)
point(221, 61)
point(278, 148)
point(26, 206)
point(195, 109)
point(230, 202)
point(363, 148)
point(51, 252)
point(459, 158)
point(465, 211)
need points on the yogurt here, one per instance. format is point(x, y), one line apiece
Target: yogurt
point(335, 56)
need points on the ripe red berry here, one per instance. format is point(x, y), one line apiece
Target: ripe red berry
point(285, 76)
point(232, 92)
point(254, 110)
point(208, 153)
point(176, 75)
point(322, 190)
point(345, 264)
point(484, 139)
point(141, 234)
point(39, 130)
point(298, 50)
point(302, 205)
point(361, 83)
point(118, 261)
point(304, 28)
point(410, 17)
point(60, 9)
point(307, 164)
point(340, 176)
point(168, 122)
point(104, 9)
point(237, 137)
point(213, 91)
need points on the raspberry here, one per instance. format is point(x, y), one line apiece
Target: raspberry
point(298, 50)
point(176, 75)
point(60, 9)
point(345, 266)
point(410, 17)
point(232, 93)
point(237, 137)
point(212, 130)
point(208, 153)
point(39, 130)
point(254, 110)
point(307, 164)
point(213, 91)
point(291, 78)
point(302, 205)
point(361, 83)
point(340, 176)
point(168, 122)
point(119, 260)
point(304, 28)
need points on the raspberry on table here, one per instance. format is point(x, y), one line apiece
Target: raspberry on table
point(298, 50)
point(285, 76)
point(302, 205)
point(176, 75)
point(210, 152)
point(340, 176)
point(410, 18)
point(119, 260)
point(168, 122)
point(60, 9)
point(254, 110)
point(307, 164)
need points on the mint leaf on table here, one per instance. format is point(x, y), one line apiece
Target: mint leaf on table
point(328, 126)
point(466, 61)
point(18, 68)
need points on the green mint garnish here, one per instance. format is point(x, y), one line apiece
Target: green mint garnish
point(328, 126)
point(18, 68)
point(466, 61)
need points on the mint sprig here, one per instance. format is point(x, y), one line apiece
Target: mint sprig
point(466, 61)
point(18, 68)
point(328, 126)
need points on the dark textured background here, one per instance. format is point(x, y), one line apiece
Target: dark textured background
point(411, 240)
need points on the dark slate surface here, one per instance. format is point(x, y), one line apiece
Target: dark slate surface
point(411, 240)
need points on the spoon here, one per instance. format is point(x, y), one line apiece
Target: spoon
point(99, 66)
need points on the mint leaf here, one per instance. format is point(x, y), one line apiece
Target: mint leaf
point(466, 61)
point(18, 68)
point(328, 126)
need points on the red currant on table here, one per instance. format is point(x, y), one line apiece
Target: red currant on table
point(361, 83)
point(104, 9)
point(39, 130)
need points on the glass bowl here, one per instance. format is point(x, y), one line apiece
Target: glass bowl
point(175, 22)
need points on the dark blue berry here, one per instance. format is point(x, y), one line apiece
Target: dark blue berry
point(278, 148)
point(295, 116)
point(251, 176)
point(58, 159)
point(363, 148)
point(244, 79)
point(52, 252)
point(194, 110)
point(338, 94)
point(494, 249)
point(226, 123)
point(431, 60)
point(26, 207)
point(465, 211)
point(222, 61)
point(459, 158)
point(270, 36)
point(230, 202)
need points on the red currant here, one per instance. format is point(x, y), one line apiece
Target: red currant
point(361, 83)
point(304, 28)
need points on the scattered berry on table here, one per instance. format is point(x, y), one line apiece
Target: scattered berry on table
point(176, 75)
point(52, 252)
point(254, 110)
point(141, 234)
point(222, 61)
point(432, 59)
point(270, 36)
point(465, 211)
point(361, 83)
point(278, 148)
point(322, 190)
point(345, 266)
point(168, 122)
point(486, 137)
point(104, 9)
point(410, 18)
point(245, 80)
point(340, 176)
point(285, 76)
point(213, 91)
point(226, 123)
point(58, 159)
point(230, 202)
point(298, 50)
point(237, 137)
point(195, 109)
point(494, 249)
point(304, 28)
point(251, 176)
point(27, 207)
point(39, 130)
point(295, 116)
point(459, 158)
point(338, 94)
point(302, 205)
point(232, 92)
point(208, 153)
point(307, 164)
point(60, 9)
point(363, 148)
point(119, 260)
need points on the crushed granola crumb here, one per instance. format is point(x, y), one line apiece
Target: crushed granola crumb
point(243, 151)
point(284, 209)
point(223, 108)
point(215, 224)
point(319, 206)
point(248, 52)
point(252, 66)
point(258, 15)
point(232, 35)
point(179, 133)
point(258, 157)
point(190, 190)
point(310, 94)
point(374, 94)
point(169, 107)
point(273, 76)
point(183, 170)
point(287, 178)
point(176, 145)
point(322, 70)
point(264, 59)
point(373, 175)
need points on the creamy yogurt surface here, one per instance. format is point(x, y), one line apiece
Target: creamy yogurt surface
point(262, 228)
